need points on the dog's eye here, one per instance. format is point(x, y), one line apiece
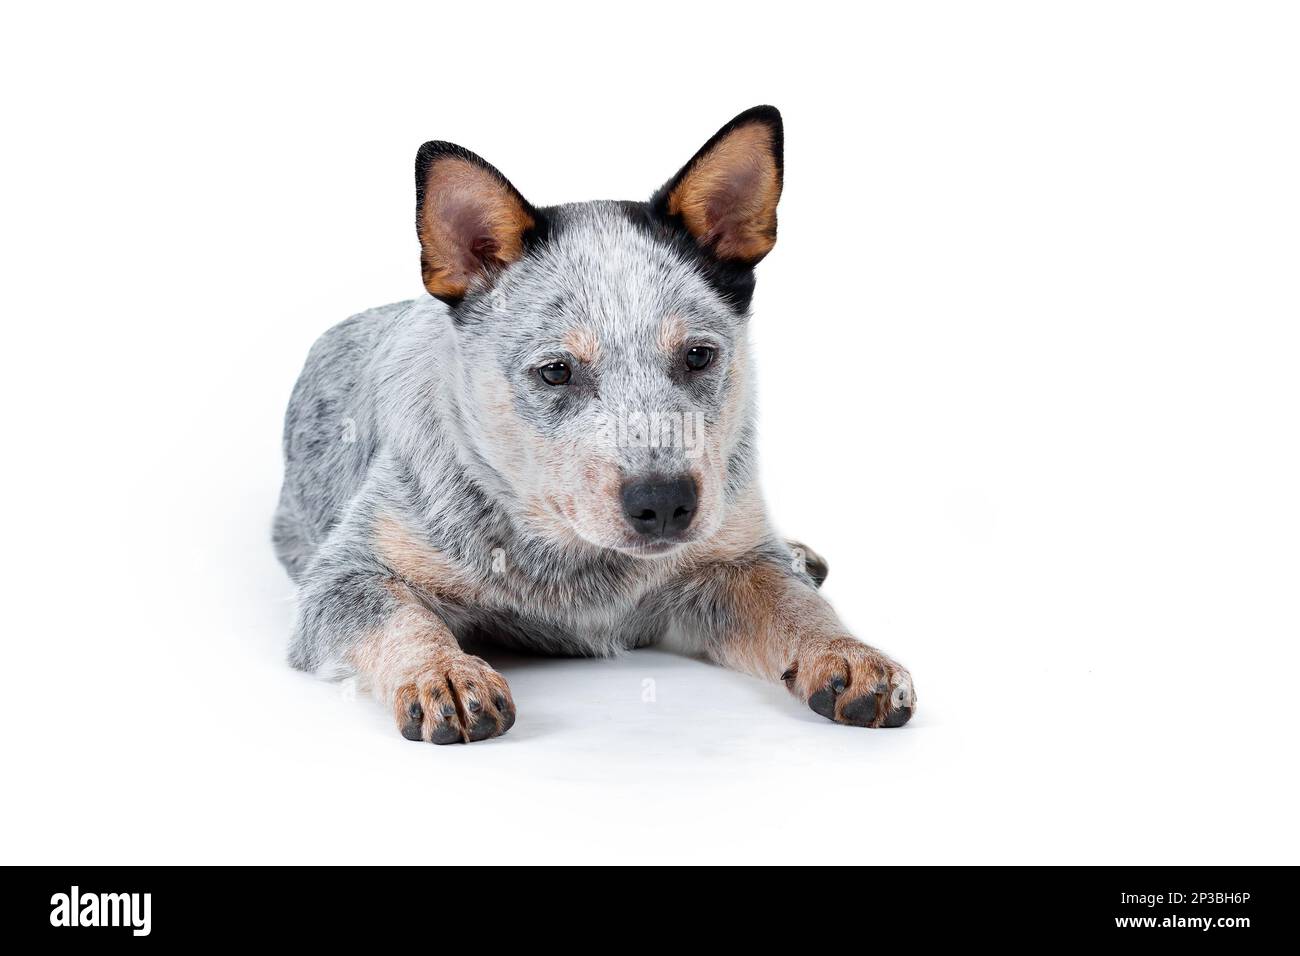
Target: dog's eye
point(699, 357)
point(555, 373)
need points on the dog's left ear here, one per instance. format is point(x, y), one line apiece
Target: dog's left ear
point(726, 195)
point(472, 222)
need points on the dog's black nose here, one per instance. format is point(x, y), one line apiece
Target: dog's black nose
point(660, 507)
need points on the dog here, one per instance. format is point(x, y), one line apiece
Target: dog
point(554, 450)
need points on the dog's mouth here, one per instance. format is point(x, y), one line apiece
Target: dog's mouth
point(600, 525)
point(640, 546)
point(651, 549)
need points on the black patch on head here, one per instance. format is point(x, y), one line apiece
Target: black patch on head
point(734, 281)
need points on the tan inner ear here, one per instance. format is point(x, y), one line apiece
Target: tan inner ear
point(470, 224)
point(728, 199)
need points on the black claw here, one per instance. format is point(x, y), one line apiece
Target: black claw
point(483, 728)
point(415, 711)
point(896, 718)
point(790, 673)
point(446, 734)
point(411, 731)
point(860, 712)
point(473, 706)
point(448, 710)
point(823, 703)
point(838, 684)
point(499, 702)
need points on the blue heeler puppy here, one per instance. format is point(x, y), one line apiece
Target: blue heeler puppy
point(554, 449)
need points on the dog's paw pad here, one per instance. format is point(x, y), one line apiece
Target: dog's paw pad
point(898, 717)
point(445, 733)
point(823, 703)
point(413, 729)
point(483, 728)
point(860, 712)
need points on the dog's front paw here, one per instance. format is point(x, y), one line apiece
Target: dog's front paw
point(850, 683)
point(457, 698)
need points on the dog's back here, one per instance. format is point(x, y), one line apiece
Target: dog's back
point(328, 438)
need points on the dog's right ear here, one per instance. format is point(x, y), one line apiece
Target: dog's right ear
point(471, 221)
point(726, 195)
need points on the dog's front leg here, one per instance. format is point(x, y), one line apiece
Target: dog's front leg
point(366, 620)
point(763, 615)
point(437, 692)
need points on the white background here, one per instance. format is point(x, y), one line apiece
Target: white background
point(1028, 358)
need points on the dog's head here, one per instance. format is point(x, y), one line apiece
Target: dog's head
point(601, 373)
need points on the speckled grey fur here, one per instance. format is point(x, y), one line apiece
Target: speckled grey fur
point(434, 420)
point(384, 420)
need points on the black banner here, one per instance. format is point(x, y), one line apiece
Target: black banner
point(892, 905)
